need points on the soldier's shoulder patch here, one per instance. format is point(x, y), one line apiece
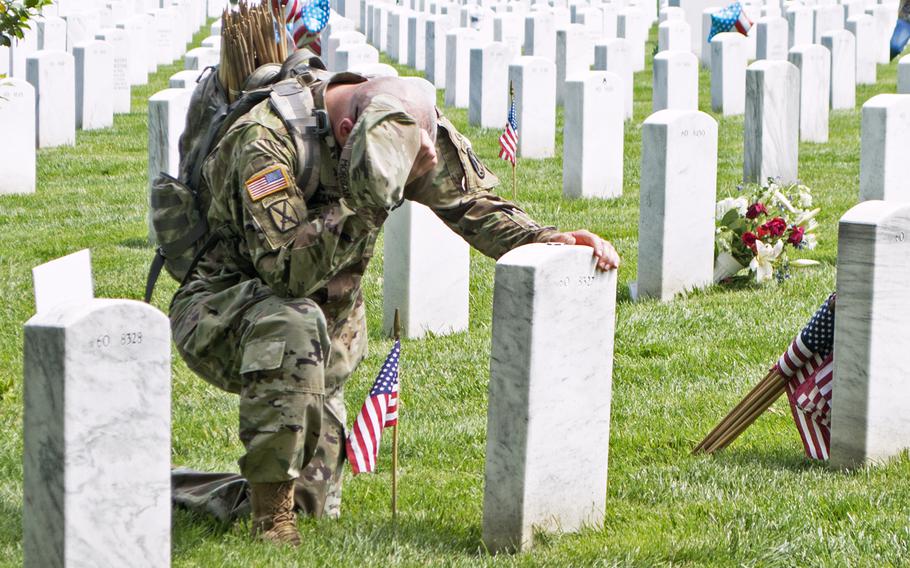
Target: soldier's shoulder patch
point(267, 181)
point(283, 215)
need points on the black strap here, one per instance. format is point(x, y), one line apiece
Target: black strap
point(154, 273)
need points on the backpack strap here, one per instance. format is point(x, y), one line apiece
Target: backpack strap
point(306, 124)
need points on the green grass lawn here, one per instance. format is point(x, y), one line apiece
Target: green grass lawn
point(679, 367)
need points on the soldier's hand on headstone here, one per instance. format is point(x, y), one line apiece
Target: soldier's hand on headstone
point(607, 257)
point(426, 159)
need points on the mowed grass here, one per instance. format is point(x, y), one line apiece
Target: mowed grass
point(678, 368)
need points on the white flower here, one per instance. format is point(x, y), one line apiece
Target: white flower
point(725, 205)
point(806, 216)
point(803, 197)
point(803, 262)
point(763, 263)
point(809, 242)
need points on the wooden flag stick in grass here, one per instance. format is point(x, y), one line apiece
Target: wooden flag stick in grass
point(724, 425)
point(396, 331)
point(759, 399)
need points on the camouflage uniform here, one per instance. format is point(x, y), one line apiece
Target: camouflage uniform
point(274, 311)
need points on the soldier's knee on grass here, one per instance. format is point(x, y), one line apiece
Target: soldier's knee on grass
point(284, 351)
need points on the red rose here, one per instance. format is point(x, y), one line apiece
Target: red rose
point(755, 210)
point(763, 231)
point(796, 236)
point(776, 226)
point(749, 239)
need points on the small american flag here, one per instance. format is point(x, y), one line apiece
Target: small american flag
point(305, 20)
point(508, 142)
point(731, 17)
point(809, 364)
point(380, 410)
point(267, 182)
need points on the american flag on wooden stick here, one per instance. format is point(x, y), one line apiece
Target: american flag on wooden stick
point(508, 142)
point(379, 411)
point(305, 20)
point(809, 366)
point(805, 373)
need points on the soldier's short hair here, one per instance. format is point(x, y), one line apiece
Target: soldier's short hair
point(411, 96)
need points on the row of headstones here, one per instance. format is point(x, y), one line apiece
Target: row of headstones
point(75, 71)
point(478, 77)
point(593, 157)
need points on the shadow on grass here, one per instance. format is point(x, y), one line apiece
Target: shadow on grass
point(138, 243)
point(782, 459)
point(190, 530)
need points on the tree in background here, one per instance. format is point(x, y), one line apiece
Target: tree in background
point(14, 18)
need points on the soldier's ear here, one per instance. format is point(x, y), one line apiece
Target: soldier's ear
point(343, 131)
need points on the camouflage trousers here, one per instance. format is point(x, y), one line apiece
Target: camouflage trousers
point(288, 359)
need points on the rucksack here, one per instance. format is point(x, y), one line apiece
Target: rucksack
point(179, 205)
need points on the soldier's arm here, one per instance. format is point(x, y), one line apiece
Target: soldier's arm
point(459, 192)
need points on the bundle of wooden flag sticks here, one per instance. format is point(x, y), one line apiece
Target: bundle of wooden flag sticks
point(251, 36)
point(745, 413)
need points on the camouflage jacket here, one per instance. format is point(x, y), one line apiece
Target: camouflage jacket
point(320, 246)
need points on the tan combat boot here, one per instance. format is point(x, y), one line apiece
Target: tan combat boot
point(274, 519)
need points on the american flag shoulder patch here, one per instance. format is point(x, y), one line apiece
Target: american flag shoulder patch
point(268, 181)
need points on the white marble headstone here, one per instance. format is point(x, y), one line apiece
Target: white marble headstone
point(869, 421)
point(489, 100)
point(437, 28)
point(771, 123)
point(534, 80)
point(814, 64)
point(613, 55)
point(728, 73)
point(426, 273)
point(167, 119)
point(826, 18)
point(884, 141)
point(864, 30)
point(17, 117)
point(675, 81)
point(52, 33)
point(574, 56)
point(350, 56)
point(550, 389)
point(120, 49)
point(53, 75)
point(94, 85)
point(458, 66)
point(540, 35)
point(631, 27)
point(903, 75)
point(842, 46)
point(772, 39)
point(693, 10)
point(800, 25)
point(883, 16)
point(199, 58)
point(593, 135)
point(417, 42)
point(673, 35)
point(97, 450)
point(676, 223)
point(140, 56)
point(80, 27)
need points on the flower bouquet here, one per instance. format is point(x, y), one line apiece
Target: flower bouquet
point(755, 230)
